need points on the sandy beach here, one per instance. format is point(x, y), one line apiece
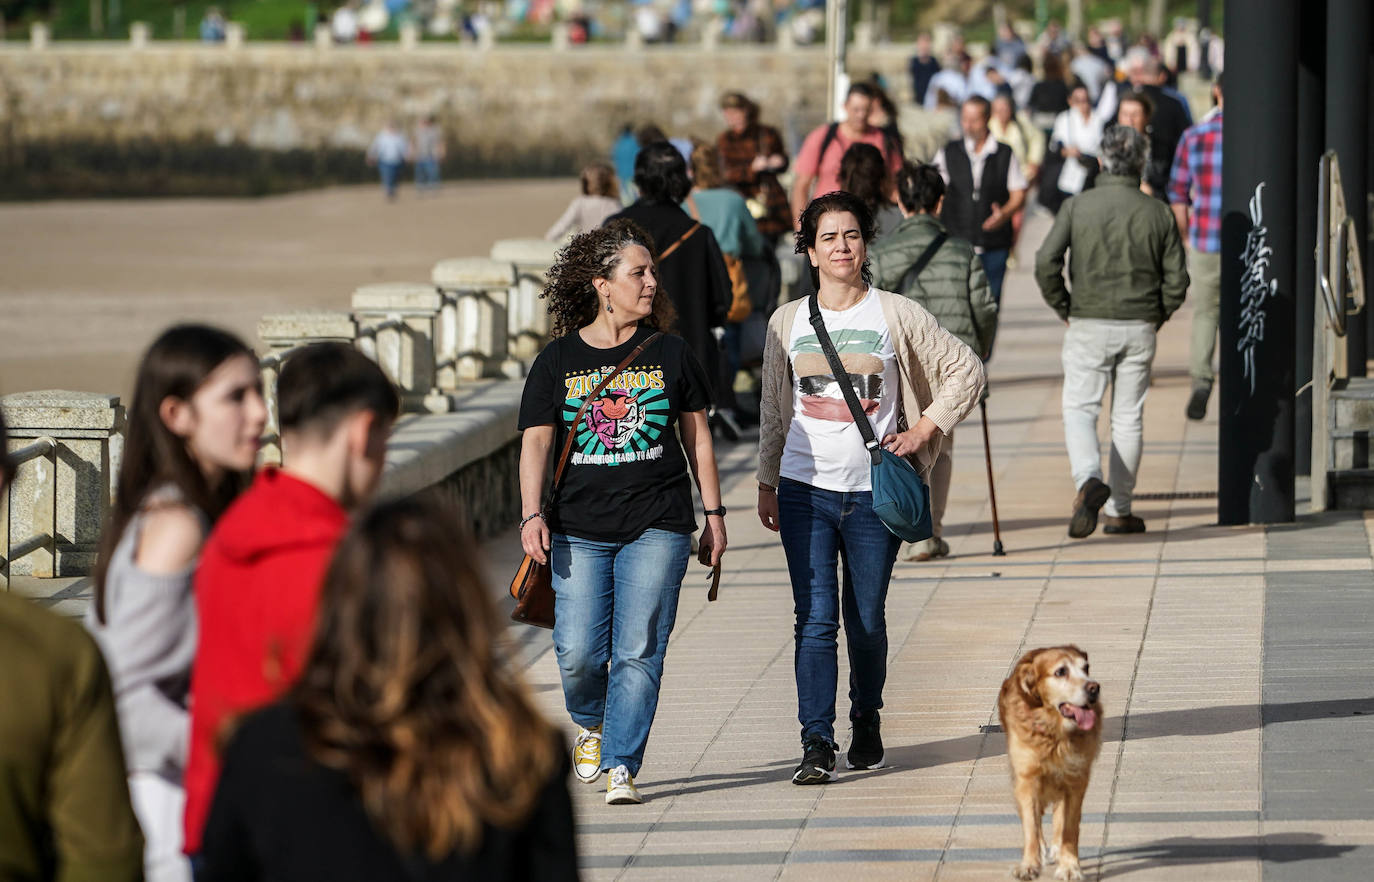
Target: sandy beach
point(86, 285)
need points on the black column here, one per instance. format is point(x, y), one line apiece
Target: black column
point(1311, 136)
point(1347, 87)
point(1258, 238)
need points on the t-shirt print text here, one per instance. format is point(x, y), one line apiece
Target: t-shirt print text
point(624, 423)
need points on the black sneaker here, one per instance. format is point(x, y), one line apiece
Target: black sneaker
point(1091, 497)
point(866, 747)
point(1197, 403)
point(818, 763)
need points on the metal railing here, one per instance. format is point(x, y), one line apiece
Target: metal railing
point(1340, 293)
point(42, 514)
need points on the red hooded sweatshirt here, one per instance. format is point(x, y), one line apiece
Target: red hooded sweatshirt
point(257, 589)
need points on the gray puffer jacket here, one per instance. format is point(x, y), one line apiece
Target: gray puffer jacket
point(952, 286)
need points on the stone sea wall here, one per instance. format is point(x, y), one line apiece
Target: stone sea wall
point(187, 118)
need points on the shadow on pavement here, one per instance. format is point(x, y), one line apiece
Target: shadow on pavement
point(1279, 848)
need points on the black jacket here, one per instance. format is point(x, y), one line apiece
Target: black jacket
point(693, 276)
point(281, 816)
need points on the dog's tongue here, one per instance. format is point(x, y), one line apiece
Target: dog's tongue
point(1084, 717)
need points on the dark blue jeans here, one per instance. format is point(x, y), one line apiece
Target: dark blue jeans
point(825, 533)
point(995, 265)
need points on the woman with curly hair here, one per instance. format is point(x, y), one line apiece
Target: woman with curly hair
point(616, 534)
point(407, 749)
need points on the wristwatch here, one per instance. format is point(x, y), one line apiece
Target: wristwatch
point(716, 511)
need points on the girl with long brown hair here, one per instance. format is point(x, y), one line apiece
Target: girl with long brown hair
point(407, 749)
point(192, 437)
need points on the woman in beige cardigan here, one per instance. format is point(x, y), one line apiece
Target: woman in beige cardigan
point(915, 382)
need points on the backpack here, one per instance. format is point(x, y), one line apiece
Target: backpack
point(891, 143)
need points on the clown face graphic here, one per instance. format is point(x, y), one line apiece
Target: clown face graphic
point(615, 417)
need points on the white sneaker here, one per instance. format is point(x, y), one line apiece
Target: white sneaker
point(620, 788)
point(586, 755)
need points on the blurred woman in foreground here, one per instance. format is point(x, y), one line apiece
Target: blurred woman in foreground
point(407, 750)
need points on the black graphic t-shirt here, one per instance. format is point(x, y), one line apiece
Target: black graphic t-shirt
point(627, 472)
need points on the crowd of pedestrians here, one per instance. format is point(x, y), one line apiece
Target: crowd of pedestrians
point(279, 678)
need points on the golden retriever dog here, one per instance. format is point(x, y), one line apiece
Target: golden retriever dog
point(1050, 711)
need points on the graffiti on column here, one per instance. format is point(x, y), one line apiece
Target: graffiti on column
point(1254, 288)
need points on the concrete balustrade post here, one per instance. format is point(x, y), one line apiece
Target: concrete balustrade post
point(409, 35)
point(284, 332)
point(711, 31)
point(561, 38)
point(139, 34)
point(67, 495)
point(40, 35)
point(406, 353)
point(324, 39)
point(634, 40)
point(527, 315)
point(864, 37)
point(473, 335)
point(234, 33)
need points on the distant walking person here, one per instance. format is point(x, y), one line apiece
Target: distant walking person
point(951, 284)
point(817, 168)
point(600, 198)
point(751, 158)
point(915, 382)
point(1128, 273)
point(617, 533)
point(986, 189)
point(193, 432)
point(409, 749)
point(1195, 195)
point(64, 801)
point(388, 152)
point(688, 262)
point(429, 151)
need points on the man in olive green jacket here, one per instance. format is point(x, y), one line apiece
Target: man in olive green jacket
point(1128, 271)
point(952, 286)
point(65, 813)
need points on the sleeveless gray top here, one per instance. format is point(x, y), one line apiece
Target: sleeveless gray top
point(149, 642)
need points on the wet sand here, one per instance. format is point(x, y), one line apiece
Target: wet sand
point(86, 285)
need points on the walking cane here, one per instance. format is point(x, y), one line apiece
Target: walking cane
point(997, 550)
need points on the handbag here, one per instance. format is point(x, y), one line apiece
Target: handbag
point(901, 500)
point(532, 586)
point(740, 304)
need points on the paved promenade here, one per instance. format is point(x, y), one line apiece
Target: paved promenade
point(1235, 665)
point(1236, 669)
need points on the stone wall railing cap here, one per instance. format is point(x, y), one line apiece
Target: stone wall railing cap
point(59, 398)
point(305, 324)
point(383, 296)
point(526, 251)
point(60, 413)
point(473, 272)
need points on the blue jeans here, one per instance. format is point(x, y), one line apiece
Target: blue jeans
point(426, 173)
point(823, 532)
point(390, 172)
point(995, 265)
point(614, 607)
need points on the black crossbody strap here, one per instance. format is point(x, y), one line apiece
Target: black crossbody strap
point(911, 275)
point(842, 377)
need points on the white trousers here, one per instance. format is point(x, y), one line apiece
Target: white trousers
point(1098, 352)
point(159, 805)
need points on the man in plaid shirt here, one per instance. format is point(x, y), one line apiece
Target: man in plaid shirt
point(1195, 196)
